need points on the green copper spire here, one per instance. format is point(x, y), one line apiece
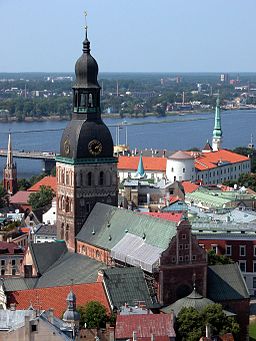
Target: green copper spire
point(217, 132)
point(140, 171)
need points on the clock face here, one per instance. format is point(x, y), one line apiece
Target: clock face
point(95, 147)
point(67, 147)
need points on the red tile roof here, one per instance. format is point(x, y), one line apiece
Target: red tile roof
point(55, 297)
point(171, 216)
point(160, 325)
point(48, 181)
point(149, 163)
point(189, 187)
point(210, 160)
point(10, 248)
point(20, 197)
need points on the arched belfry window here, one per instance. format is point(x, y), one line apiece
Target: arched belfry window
point(90, 101)
point(62, 231)
point(101, 178)
point(83, 100)
point(89, 179)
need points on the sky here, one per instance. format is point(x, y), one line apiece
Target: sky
point(129, 35)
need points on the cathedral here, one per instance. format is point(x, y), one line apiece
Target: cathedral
point(86, 169)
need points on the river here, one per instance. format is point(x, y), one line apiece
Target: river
point(184, 132)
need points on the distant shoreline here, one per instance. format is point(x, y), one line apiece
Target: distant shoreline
point(113, 116)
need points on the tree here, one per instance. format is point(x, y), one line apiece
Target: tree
point(214, 259)
point(23, 184)
point(41, 198)
point(94, 314)
point(191, 323)
point(4, 199)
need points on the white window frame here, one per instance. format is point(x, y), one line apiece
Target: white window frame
point(228, 247)
point(242, 247)
point(242, 262)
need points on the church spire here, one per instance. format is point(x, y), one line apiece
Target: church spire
point(140, 170)
point(9, 162)
point(10, 171)
point(217, 132)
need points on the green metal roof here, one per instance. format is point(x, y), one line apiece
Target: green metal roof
point(127, 285)
point(208, 198)
point(225, 282)
point(107, 225)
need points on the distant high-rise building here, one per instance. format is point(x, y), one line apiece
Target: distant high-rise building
point(10, 171)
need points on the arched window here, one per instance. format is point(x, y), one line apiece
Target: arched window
point(89, 179)
point(62, 231)
point(81, 179)
point(63, 203)
point(67, 233)
point(83, 102)
point(90, 101)
point(63, 177)
point(67, 209)
point(101, 178)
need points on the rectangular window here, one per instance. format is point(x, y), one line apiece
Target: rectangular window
point(215, 248)
point(242, 265)
point(228, 250)
point(194, 257)
point(254, 266)
point(184, 236)
point(2, 262)
point(181, 258)
point(13, 271)
point(254, 250)
point(186, 246)
point(181, 246)
point(13, 262)
point(254, 282)
point(242, 251)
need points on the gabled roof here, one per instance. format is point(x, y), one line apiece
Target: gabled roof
point(225, 282)
point(149, 163)
point(79, 268)
point(45, 255)
point(107, 225)
point(18, 283)
point(55, 297)
point(210, 160)
point(170, 216)
point(21, 197)
point(10, 248)
point(189, 186)
point(127, 286)
point(46, 230)
point(160, 325)
point(48, 181)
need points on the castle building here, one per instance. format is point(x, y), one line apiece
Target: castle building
point(10, 172)
point(86, 169)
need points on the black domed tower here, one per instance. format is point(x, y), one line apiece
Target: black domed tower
point(86, 169)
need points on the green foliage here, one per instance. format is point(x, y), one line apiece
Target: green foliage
point(247, 180)
point(23, 184)
point(94, 314)
point(247, 152)
point(214, 259)
point(41, 198)
point(4, 199)
point(191, 323)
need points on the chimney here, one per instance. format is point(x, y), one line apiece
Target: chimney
point(50, 317)
point(12, 306)
point(100, 276)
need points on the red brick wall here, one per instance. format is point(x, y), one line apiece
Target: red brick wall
point(94, 252)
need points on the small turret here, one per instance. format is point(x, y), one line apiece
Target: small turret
point(140, 170)
point(71, 317)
